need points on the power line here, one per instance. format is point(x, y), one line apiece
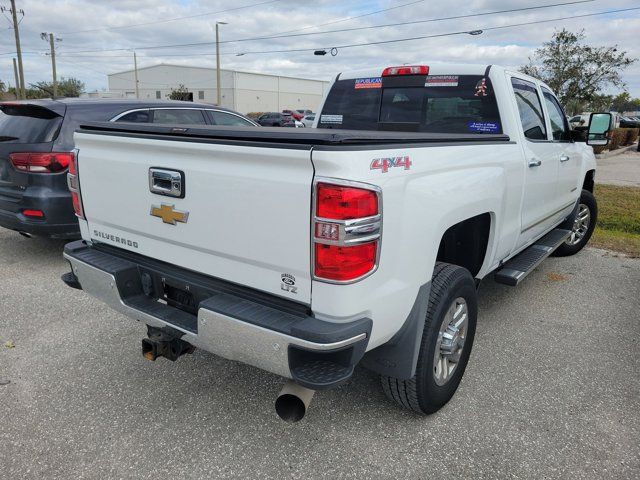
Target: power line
point(197, 44)
point(462, 32)
point(167, 20)
point(414, 22)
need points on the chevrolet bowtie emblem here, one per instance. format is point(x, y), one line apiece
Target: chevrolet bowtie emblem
point(168, 214)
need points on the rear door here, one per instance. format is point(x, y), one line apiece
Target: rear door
point(242, 212)
point(540, 202)
point(23, 128)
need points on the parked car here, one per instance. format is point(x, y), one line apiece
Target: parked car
point(304, 112)
point(407, 215)
point(579, 122)
point(295, 114)
point(628, 122)
point(308, 119)
point(274, 119)
point(36, 148)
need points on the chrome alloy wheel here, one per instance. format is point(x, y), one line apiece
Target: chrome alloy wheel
point(451, 340)
point(580, 225)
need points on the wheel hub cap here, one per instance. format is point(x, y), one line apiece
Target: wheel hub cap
point(451, 341)
point(580, 225)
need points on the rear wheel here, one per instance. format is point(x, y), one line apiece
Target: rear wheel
point(582, 226)
point(447, 338)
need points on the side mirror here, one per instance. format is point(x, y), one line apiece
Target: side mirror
point(599, 127)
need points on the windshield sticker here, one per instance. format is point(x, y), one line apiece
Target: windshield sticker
point(484, 127)
point(481, 88)
point(335, 119)
point(441, 81)
point(375, 82)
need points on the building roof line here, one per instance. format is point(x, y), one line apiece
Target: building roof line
point(213, 69)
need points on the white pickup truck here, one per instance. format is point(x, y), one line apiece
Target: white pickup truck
point(361, 241)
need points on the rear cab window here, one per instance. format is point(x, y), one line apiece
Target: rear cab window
point(415, 103)
point(28, 124)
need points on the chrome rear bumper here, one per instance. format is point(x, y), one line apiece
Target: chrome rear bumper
point(230, 337)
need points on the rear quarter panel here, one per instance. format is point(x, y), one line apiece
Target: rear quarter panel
point(445, 184)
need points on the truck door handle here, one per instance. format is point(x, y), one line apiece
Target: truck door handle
point(564, 158)
point(166, 182)
point(534, 163)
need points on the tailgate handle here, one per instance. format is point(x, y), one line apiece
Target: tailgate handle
point(166, 182)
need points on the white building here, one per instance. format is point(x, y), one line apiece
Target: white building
point(241, 91)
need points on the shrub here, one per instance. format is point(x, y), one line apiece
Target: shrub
point(599, 148)
point(254, 115)
point(618, 137)
point(631, 136)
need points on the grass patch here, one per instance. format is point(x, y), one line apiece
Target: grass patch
point(618, 226)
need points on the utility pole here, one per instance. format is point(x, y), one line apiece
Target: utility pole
point(15, 73)
point(135, 70)
point(218, 89)
point(52, 39)
point(14, 15)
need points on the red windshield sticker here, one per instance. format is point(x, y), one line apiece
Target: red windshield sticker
point(441, 81)
point(375, 82)
point(481, 88)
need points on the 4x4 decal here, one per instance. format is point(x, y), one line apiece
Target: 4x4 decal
point(385, 164)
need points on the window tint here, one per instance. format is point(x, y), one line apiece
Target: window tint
point(223, 118)
point(178, 116)
point(437, 104)
point(530, 109)
point(28, 124)
point(137, 117)
point(559, 125)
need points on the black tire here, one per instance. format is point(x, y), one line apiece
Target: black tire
point(566, 249)
point(421, 393)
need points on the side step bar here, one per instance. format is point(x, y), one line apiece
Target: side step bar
point(516, 269)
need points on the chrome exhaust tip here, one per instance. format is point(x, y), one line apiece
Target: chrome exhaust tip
point(293, 402)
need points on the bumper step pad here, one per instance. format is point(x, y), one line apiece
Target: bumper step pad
point(516, 269)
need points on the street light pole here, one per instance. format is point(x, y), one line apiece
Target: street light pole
point(218, 89)
point(135, 71)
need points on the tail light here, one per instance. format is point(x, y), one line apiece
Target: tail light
point(406, 70)
point(50, 162)
point(346, 230)
point(74, 187)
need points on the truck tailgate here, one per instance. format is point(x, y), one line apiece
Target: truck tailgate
point(248, 207)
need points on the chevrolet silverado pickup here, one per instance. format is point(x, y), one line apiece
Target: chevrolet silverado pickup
point(359, 242)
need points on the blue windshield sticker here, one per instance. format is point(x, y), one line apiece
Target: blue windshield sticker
point(484, 127)
point(375, 82)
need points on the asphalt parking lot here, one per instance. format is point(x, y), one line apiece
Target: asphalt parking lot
point(552, 391)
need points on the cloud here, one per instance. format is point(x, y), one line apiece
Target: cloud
point(510, 46)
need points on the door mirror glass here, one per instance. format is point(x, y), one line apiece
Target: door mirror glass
point(599, 126)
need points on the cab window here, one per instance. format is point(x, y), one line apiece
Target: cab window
point(530, 109)
point(559, 124)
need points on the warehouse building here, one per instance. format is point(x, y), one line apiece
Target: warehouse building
point(241, 91)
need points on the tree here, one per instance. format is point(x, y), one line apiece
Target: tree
point(576, 71)
point(624, 103)
point(67, 87)
point(180, 93)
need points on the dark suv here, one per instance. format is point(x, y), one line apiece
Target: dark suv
point(36, 146)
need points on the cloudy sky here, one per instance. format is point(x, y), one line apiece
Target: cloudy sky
point(98, 37)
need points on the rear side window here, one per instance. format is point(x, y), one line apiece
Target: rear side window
point(142, 116)
point(420, 103)
point(28, 124)
point(223, 118)
point(530, 109)
point(178, 116)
